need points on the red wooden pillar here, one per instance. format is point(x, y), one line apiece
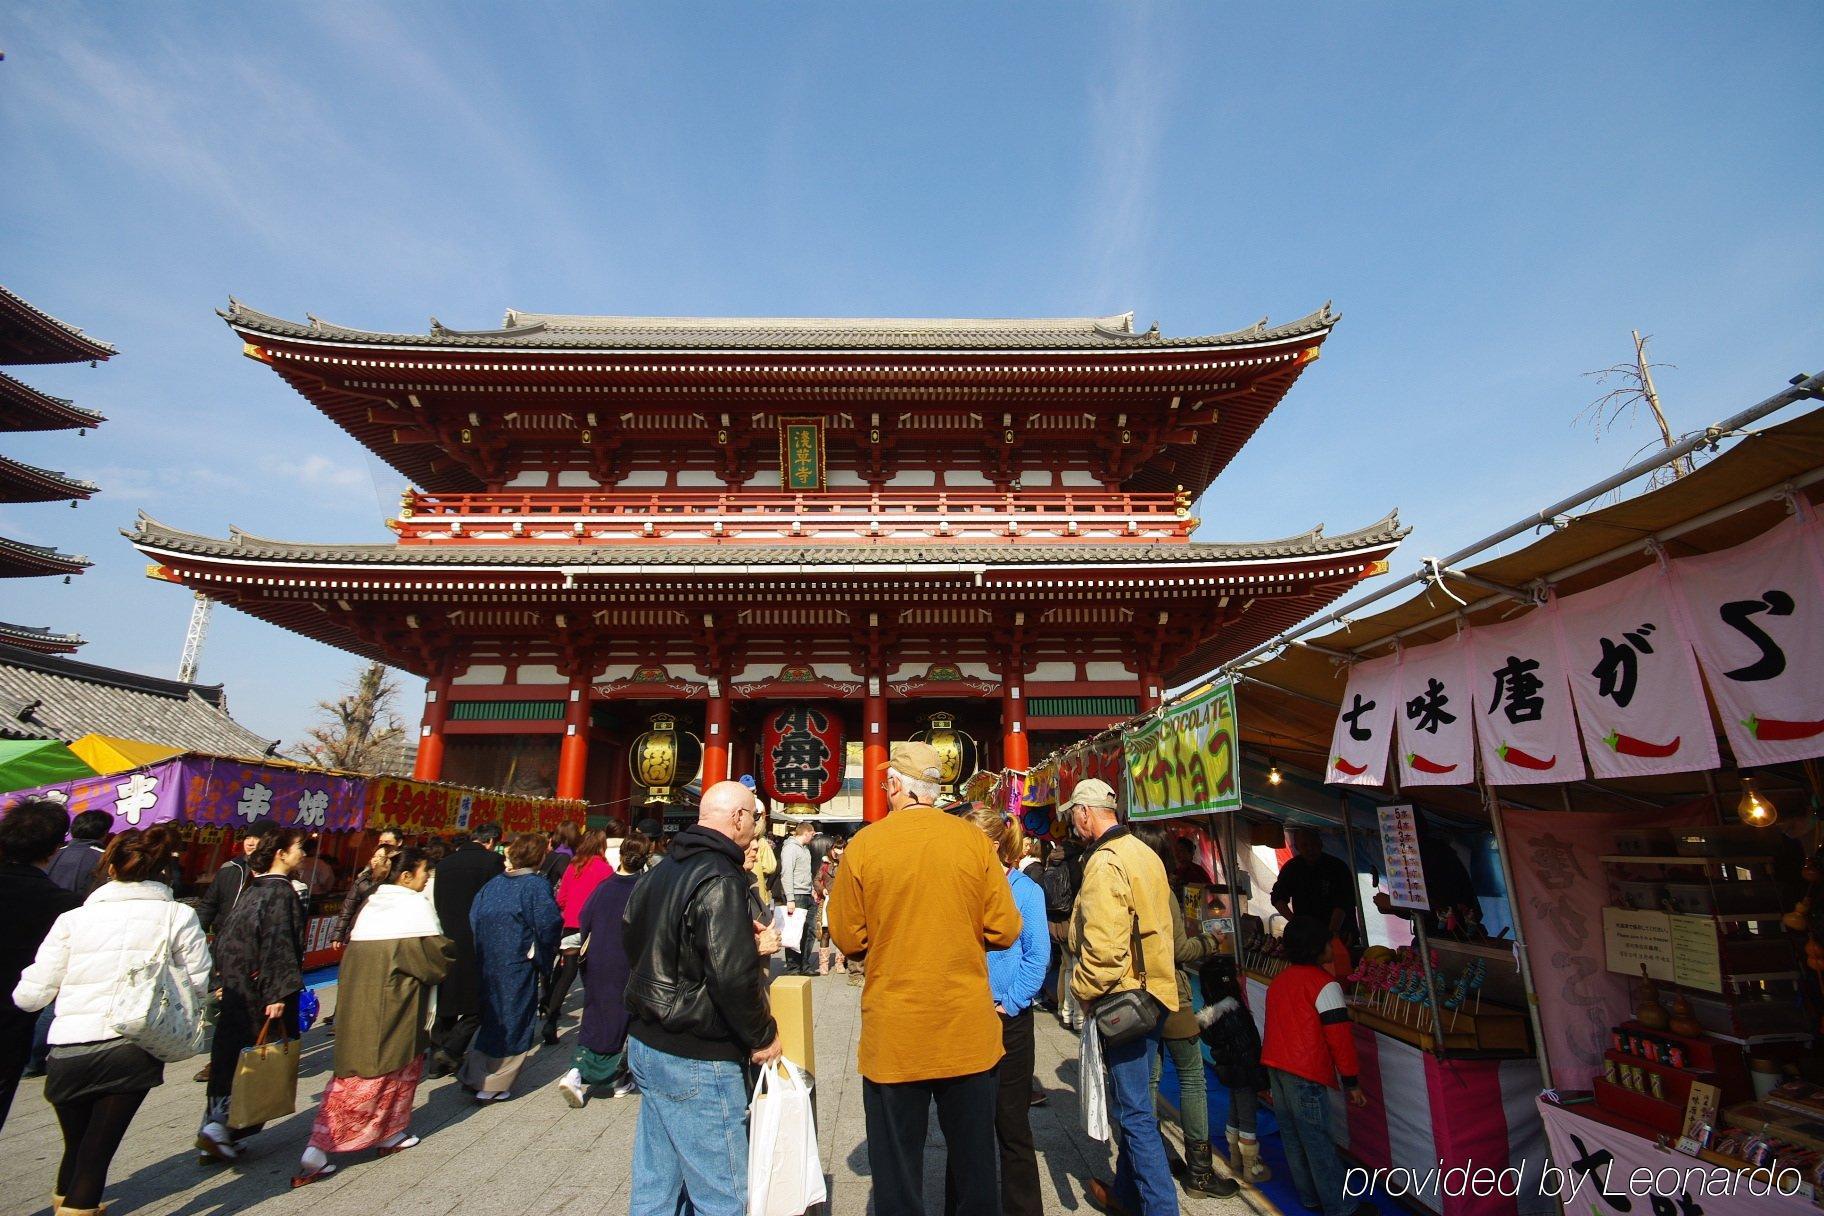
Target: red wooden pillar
point(718, 716)
point(874, 752)
point(1152, 690)
point(1014, 753)
point(620, 782)
point(573, 752)
point(429, 766)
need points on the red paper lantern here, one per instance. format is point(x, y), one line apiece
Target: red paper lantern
point(802, 757)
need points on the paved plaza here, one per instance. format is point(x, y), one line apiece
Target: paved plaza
point(531, 1155)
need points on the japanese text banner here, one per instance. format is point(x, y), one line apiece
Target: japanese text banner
point(1437, 734)
point(1187, 760)
point(1756, 616)
point(1640, 703)
point(1364, 728)
point(1525, 728)
point(217, 792)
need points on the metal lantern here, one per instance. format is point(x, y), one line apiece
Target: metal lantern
point(664, 759)
point(955, 749)
point(802, 758)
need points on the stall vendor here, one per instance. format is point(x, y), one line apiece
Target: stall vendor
point(1313, 883)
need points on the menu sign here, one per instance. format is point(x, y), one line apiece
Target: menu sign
point(1697, 960)
point(1400, 848)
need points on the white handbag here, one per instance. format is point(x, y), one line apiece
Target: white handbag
point(155, 1008)
point(784, 1173)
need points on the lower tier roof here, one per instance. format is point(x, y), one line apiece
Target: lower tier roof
point(20, 560)
point(22, 482)
point(40, 639)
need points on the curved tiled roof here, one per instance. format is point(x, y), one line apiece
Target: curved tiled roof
point(19, 559)
point(563, 331)
point(22, 482)
point(28, 334)
point(43, 640)
point(24, 408)
point(240, 546)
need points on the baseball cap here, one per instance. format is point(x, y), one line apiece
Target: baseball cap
point(1091, 791)
point(919, 761)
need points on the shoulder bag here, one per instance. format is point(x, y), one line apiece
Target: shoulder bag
point(155, 1008)
point(1133, 1013)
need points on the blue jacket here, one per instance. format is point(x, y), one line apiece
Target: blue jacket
point(1016, 974)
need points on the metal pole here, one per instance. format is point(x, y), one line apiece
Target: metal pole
point(1513, 907)
point(1431, 983)
point(1355, 878)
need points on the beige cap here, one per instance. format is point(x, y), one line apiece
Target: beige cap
point(919, 761)
point(1091, 791)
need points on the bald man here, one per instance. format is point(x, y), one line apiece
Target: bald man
point(699, 1014)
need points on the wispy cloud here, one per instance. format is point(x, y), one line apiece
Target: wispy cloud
point(1130, 108)
point(322, 473)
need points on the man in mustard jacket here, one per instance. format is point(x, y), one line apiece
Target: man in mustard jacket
point(1125, 898)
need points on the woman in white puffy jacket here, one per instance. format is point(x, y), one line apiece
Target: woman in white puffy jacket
point(95, 1079)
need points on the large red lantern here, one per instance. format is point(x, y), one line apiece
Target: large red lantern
point(802, 757)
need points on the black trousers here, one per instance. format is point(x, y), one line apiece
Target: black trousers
point(451, 1035)
point(897, 1118)
point(15, 1049)
point(805, 948)
point(563, 975)
point(92, 1131)
point(1012, 1124)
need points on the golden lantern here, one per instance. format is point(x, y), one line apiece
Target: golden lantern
point(956, 750)
point(664, 759)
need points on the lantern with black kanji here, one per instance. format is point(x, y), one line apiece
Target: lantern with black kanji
point(802, 757)
point(955, 749)
point(664, 759)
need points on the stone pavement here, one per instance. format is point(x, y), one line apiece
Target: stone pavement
point(530, 1155)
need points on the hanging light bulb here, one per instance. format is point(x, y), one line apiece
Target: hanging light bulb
point(1754, 810)
point(1274, 777)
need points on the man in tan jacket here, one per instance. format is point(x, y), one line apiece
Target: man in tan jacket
point(1125, 901)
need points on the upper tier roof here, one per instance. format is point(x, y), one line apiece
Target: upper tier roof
point(31, 335)
point(21, 482)
point(566, 331)
point(40, 639)
point(24, 408)
point(20, 560)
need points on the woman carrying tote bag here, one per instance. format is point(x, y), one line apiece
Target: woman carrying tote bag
point(94, 1078)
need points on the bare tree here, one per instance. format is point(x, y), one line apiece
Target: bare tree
point(1635, 389)
point(359, 731)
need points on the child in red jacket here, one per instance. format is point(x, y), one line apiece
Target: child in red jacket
point(1309, 1045)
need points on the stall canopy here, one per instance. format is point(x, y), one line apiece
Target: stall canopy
point(107, 754)
point(1289, 702)
point(25, 763)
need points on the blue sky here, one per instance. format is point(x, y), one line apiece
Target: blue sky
point(1492, 195)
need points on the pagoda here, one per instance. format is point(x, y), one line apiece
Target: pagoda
point(29, 335)
point(618, 517)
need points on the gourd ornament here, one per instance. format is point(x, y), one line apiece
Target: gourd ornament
point(1648, 1011)
point(1682, 1022)
point(1799, 917)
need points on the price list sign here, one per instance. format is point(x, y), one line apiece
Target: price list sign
point(1400, 847)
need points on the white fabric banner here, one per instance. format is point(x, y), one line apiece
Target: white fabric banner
point(1364, 727)
point(1640, 703)
point(1437, 734)
point(1525, 727)
point(1756, 616)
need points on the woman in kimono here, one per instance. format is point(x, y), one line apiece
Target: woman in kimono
point(601, 1051)
point(397, 954)
point(259, 959)
point(517, 927)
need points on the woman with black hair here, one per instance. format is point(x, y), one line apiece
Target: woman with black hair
point(30, 902)
point(259, 958)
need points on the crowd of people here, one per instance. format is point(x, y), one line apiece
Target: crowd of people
point(459, 955)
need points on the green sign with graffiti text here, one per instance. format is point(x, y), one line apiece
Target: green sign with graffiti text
point(1187, 761)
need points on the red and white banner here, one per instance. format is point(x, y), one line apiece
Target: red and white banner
point(1364, 728)
point(1525, 727)
point(1640, 702)
point(1437, 734)
point(1756, 616)
point(1601, 1169)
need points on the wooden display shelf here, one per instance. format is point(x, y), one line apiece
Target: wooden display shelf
point(1679, 859)
point(1660, 1114)
point(1493, 1029)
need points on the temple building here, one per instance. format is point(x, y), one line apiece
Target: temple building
point(28, 335)
point(878, 520)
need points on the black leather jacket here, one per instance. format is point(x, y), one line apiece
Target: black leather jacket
point(697, 986)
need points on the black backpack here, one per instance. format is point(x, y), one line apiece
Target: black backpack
point(1060, 891)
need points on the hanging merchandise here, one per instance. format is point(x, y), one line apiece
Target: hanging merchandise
point(1437, 734)
point(1640, 703)
point(1756, 615)
point(1525, 727)
point(1099, 757)
point(664, 759)
point(1364, 728)
point(801, 757)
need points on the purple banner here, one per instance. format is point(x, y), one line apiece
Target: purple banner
point(210, 791)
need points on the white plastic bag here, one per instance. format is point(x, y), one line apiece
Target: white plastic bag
point(789, 919)
point(154, 1007)
point(784, 1173)
point(1092, 1083)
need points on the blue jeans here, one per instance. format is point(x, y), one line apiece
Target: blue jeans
point(1143, 1178)
point(690, 1146)
point(1303, 1110)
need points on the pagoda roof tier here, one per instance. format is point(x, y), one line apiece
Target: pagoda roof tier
point(20, 560)
point(31, 335)
point(24, 408)
point(39, 640)
point(462, 410)
point(404, 604)
point(21, 482)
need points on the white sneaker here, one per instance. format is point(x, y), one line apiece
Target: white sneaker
point(626, 1087)
point(573, 1089)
